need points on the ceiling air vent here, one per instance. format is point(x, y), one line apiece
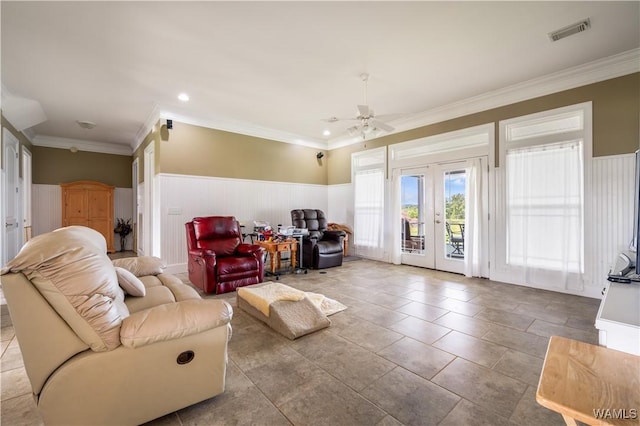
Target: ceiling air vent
point(572, 29)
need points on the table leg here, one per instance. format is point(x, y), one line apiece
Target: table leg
point(570, 421)
point(293, 260)
point(273, 262)
point(279, 260)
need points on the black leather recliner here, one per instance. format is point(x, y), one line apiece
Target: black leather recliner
point(321, 248)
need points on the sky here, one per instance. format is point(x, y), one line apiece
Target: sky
point(454, 184)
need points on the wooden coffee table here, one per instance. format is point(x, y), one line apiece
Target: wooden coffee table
point(592, 384)
point(275, 249)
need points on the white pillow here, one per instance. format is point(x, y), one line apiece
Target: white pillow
point(130, 283)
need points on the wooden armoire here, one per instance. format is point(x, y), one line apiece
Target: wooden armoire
point(89, 204)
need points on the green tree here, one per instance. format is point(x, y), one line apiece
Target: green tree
point(411, 211)
point(455, 207)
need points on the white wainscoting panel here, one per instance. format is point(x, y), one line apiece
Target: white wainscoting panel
point(47, 209)
point(46, 205)
point(340, 207)
point(184, 197)
point(612, 207)
point(340, 203)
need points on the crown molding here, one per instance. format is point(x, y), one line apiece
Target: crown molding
point(593, 72)
point(600, 70)
point(244, 128)
point(147, 126)
point(81, 145)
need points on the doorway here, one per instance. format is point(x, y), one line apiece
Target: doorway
point(11, 199)
point(136, 205)
point(26, 194)
point(434, 214)
point(147, 219)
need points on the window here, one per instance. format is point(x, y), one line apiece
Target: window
point(545, 206)
point(369, 195)
point(543, 159)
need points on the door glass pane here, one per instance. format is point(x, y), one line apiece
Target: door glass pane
point(454, 200)
point(412, 214)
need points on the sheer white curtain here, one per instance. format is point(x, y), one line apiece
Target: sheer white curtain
point(396, 205)
point(474, 212)
point(369, 212)
point(544, 210)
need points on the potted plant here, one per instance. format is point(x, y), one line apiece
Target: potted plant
point(123, 229)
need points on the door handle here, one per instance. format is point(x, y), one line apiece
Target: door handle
point(438, 221)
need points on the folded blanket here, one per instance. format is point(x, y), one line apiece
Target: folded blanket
point(262, 297)
point(326, 305)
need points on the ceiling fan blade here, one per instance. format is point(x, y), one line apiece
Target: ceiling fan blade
point(380, 125)
point(355, 130)
point(336, 119)
point(363, 110)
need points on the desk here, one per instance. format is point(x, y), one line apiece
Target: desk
point(276, 248)
point(578, 378)
point(618, 319)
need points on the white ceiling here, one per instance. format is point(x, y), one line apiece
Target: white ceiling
point(278, 69)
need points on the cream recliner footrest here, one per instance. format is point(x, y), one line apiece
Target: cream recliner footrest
point(173, 321)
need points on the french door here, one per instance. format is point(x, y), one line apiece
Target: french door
point(432, 213)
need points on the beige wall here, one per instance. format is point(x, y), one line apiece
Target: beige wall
point(616, 122)
point(200, 151)
point(53, 166)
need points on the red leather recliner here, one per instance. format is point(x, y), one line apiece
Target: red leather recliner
point(219, 262)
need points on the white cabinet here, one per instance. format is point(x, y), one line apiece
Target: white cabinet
point(618, 320)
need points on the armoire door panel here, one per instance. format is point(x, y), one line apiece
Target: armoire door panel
point(101, 225)
point(75, 202)
point(100, 204)
point(89, 204)
point(76, 221)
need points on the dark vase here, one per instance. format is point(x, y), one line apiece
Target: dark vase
point(123, 241)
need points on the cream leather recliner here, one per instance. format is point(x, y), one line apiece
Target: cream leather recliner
point(96, 356)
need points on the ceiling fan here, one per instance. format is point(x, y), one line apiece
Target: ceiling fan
point(368, 124)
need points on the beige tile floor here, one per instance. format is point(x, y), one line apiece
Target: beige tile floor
point(414, 347)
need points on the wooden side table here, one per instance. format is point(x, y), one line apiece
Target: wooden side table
point(275, 250)
point(345, 246)
point(592, 384)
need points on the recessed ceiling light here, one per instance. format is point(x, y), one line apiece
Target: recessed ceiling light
point(86, 124)
point(327, 133)
point(183, 97)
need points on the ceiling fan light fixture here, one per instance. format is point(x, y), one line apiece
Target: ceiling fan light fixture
point(369, 125)
point(86, 124)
